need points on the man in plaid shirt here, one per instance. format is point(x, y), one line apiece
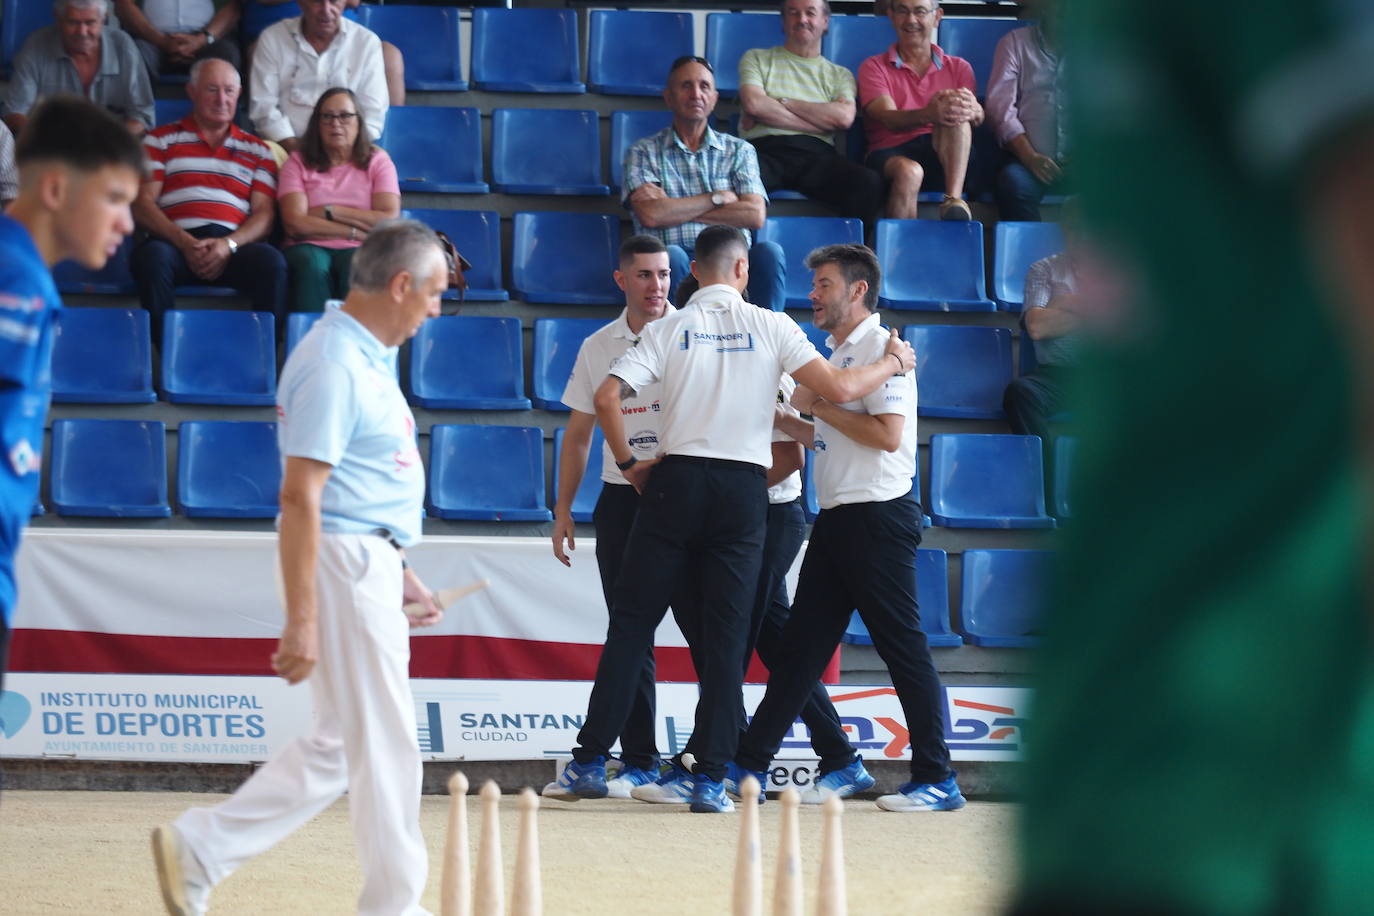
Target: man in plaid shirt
point(687, 177)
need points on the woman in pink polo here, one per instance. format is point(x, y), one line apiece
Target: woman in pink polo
point(332, 190)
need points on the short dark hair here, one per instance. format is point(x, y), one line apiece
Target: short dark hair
point(686, 59)
point(719, 246)
point(856, 262)
point(312, 147)
point(640, 244)
point(77, 133)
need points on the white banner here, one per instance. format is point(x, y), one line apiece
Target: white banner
point(244, 719)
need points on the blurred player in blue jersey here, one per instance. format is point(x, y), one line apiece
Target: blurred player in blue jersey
point(79, 171)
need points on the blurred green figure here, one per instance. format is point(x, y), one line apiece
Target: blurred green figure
point(1196, 742)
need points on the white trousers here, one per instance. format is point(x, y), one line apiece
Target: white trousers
point(363, 740)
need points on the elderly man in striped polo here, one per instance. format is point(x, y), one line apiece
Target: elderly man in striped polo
point(207, 203)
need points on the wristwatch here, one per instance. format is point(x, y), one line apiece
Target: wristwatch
point(717, 199)
point(233, 245)
point(626, 465)
point(209, 39)
point(329, 212)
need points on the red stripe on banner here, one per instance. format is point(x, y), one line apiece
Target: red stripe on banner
point(81, 652)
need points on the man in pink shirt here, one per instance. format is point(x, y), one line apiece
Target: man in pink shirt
point(919, 113)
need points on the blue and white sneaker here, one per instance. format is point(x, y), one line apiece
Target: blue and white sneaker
point(736, 774)
point(579, 780)
point(674, 787)
point(925, 796)
point(627, 779)
point(708, 796)
point(842, 783)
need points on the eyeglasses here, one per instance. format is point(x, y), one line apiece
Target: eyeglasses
point(344, 116)
point(919, 12)
point(686, 59)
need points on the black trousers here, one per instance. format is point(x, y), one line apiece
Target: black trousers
point(701, 517)
point(783, 538)
point(257, 270)
point(813, 167)
point(860, 556)
point(614, 516)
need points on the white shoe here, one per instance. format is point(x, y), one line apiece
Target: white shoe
point(185, 886)
point(674, 787)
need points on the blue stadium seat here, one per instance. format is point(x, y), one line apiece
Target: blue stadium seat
point(961, 371)
point(461, 362)
point(102, 356)
point(487, 472)
point(116, 278)
point(566, 258)
point(987, 481)
point(975, 40)
point(1003, 595)
point(526, 50)
point(816, 336)
point(227, 469)
point(165, 111)
point(613, 71)
point(546, 151)
point(729, 35)
point(477, 235)
point(109, 468)
point(436, 149)
point(556, 342)
point(428, 39)
point(628, 127)
point(930, 265)
point(38, 508)
point(1015, 247)
point(798, 235)
point(589, 490)
point(18, 20)
point(257, 16)
point(932, 594)
point(297, 324)
point(851, 39)
point(1065, 452)
point(219, 357)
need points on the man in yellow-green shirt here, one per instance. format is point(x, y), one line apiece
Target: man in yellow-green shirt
point(794, 100)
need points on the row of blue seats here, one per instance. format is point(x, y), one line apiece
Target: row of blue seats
point(209, 356)
point(540, 50)
point(999, 606)
point(568, 259)
point(230, 469)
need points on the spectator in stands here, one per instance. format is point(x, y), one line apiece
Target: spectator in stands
point(391, 55)
point(794, 100)
point(77, 55)
point(333, 190)
point(9, 174)
point(1051, 319)
point(1025, 106)
point(207, 203)
point(296, 60)
point(688, 176)
point(173, 34)
point(919, 113)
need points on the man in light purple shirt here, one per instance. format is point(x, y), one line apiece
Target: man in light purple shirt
point(1025, 107)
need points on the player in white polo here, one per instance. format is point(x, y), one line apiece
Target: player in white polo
point(352, 490)
point(702, 506)
point(862, 552)
point(644, 277)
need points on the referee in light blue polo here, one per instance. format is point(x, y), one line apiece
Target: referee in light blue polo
point(352, 489)
point(862, 552)
point(703, 506)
